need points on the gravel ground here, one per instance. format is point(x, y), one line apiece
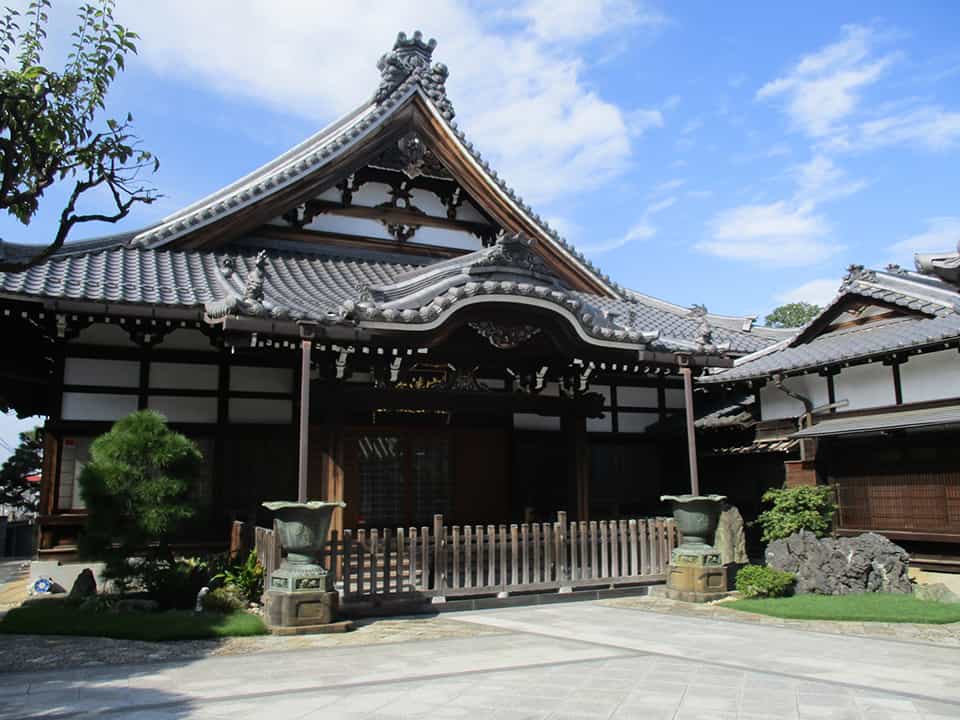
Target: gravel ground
point(948, 635)
point(20, 653)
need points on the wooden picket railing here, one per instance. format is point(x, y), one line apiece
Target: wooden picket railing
point(457, 561)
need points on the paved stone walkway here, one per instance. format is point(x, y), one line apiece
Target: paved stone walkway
point(48, 652)
point(948, 634)
point(14, 575)
point(578, 660)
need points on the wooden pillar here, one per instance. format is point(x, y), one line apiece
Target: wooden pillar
point(306, 346)
point(687, 373)
point(578, 463)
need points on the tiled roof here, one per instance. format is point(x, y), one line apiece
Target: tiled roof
point(939, 302)
point(346, 286)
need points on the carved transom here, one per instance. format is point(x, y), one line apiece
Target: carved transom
point(503, 336)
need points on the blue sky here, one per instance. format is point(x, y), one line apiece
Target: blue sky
point(733, 154)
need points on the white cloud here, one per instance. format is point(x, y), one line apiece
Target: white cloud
point(931, 128)
point(819, 292)
point(668, 186)
point(519, 95)
point(661, 205)
point(642, 230)
point(639, 121)
point(577, 20)
point(942, 234)
point(786, 232)
point(775, 233)
point(825, 86)
point(820, 180)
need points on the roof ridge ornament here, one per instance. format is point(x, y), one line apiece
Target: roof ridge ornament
point(409, 61)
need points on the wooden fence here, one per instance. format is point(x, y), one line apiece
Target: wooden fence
point(457, 561)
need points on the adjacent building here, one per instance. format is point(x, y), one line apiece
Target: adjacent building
point(866, 398)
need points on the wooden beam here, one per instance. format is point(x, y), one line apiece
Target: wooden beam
point(306, 346)
point(687, 373)
point(342, 395)
point(578, 463)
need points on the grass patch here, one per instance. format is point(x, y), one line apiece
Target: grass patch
point(864, 607)
point(61, 619)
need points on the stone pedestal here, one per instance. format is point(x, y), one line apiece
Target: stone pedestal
point(697, 574)
point(302, 612)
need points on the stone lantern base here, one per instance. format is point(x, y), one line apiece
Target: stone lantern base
point(697, 574)
point(296, 613)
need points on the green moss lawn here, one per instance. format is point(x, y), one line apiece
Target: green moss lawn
point(61, 619)
point(866, 607)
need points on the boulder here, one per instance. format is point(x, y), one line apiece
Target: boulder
point(84, 586)
point(937, 592)
point(730, 540)
point(840, 566)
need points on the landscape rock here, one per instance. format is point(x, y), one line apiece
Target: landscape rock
point(937, 592)
point(840, 566)
point(730, 540)
point(84, 586)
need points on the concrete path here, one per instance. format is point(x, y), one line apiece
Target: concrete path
point(579, 660)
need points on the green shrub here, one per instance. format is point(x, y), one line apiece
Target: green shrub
point(172, 584)
point(224, 600)
point(246, 577)
point(797, 508)
point(757, 581)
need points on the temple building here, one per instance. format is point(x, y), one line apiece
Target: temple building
point(374, 316)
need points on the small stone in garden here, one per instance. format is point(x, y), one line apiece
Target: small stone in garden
point(84, 586)
point(937, 592)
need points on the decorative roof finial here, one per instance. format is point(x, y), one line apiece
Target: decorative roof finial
point(410, 60)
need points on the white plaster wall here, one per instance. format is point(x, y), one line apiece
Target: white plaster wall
point(244, 378)
point(467, 211)
point(349, 226)
point(601, 424)
point(96, 406)
point(673, 397)
point(73, 456)
point(494, 383)
point(187, 339)
point(530, 421)
point(603, 390)
point(184, 376)
point(446, 238)
point(777, 405)
point(185, 409)
point(633, 422)
point(260, 410)
point(104, 334)
point(636, 396)
point(89, 371)
point(865, 386)
point(931, 376)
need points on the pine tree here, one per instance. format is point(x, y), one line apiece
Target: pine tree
point(136, 488)
point(15, 490)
